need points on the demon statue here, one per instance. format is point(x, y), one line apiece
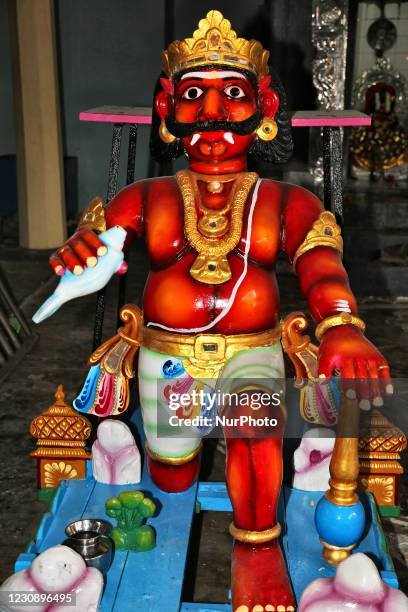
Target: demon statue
point(211, 302)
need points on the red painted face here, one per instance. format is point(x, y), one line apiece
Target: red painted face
point(216, 95)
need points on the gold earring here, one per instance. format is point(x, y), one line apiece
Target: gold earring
point(267, 129)
point(165, 135)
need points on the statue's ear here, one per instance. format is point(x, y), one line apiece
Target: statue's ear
point(268, 97)
point(163, 104)
point(163, 101)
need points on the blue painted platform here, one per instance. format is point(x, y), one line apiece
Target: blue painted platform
point(153, 581)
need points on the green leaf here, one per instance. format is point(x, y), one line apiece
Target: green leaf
point(147, 507)
point(113, 502)
point(131, 499)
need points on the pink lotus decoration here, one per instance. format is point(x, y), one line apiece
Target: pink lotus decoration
point(58, 570)
point(312, 460)
point(356, 587)
point(115, 456)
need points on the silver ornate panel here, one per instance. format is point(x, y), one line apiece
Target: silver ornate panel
point(329, 37)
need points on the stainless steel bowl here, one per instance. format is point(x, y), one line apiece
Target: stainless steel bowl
point(91, 539)
point(88, 529)
point(98, 554)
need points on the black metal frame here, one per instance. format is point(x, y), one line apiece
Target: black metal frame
point(112, 190)
point(333, 171)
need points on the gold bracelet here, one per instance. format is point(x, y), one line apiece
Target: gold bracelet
point(344, 318)
point(93, 216)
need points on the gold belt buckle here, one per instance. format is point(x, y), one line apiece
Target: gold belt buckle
point(210, 348)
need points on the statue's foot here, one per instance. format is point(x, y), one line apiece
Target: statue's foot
point(260, 582)
point(174, 478)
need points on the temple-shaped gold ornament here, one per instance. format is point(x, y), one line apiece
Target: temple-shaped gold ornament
point(61, 436)
point(380, 446)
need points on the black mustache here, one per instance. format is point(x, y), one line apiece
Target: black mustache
point(242, 128)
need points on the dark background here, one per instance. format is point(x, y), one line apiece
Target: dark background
point(109, 53)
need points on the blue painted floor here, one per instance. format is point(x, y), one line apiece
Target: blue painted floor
point(153, 581)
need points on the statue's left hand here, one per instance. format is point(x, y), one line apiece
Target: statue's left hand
point(362, 368)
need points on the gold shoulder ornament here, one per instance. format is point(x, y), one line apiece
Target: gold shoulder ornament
point(324, 233)
point(93, 216)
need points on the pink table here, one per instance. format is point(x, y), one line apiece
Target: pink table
point(142, 115)
point(319, 118)
point(138, 115)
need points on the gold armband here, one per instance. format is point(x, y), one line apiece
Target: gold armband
point(344, 318)
point(93, 216)
point(325, 232)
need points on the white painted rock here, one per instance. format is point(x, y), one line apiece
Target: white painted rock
point(312, 459)
point(61, 570)
point(356, 586)
point(115, 456)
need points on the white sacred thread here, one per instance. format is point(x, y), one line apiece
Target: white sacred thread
point(237, 285)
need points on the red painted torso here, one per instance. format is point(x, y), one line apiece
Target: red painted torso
point(172, 298)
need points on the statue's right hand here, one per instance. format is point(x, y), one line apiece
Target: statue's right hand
point(78, 252)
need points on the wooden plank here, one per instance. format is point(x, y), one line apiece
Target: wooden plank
point(39, 143)
point(59, 496)
point(112, 581)
point(43, 528)
point(140, 115)
point(204, 607)
point(155, 579)
point(24, 560)
point(95, 508)
point(70, 509)
point(321, 118)
point(152, 580)
point(143, 116)
point(213, 496)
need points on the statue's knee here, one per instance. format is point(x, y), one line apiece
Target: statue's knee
point(254, 412)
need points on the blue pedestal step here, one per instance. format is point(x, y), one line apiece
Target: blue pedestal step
point(153, 581)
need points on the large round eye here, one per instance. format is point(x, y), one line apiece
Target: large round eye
point(234, 91)
point(192, 93)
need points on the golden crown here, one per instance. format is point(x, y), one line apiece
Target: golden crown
point(215, 42)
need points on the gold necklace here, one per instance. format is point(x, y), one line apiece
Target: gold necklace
point(211, 266)
point(215, 182)
point(214, 222)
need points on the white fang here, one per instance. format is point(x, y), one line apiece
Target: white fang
point(229, 137)
point(194, 139)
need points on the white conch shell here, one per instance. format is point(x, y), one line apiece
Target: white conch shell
point(91, 279)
